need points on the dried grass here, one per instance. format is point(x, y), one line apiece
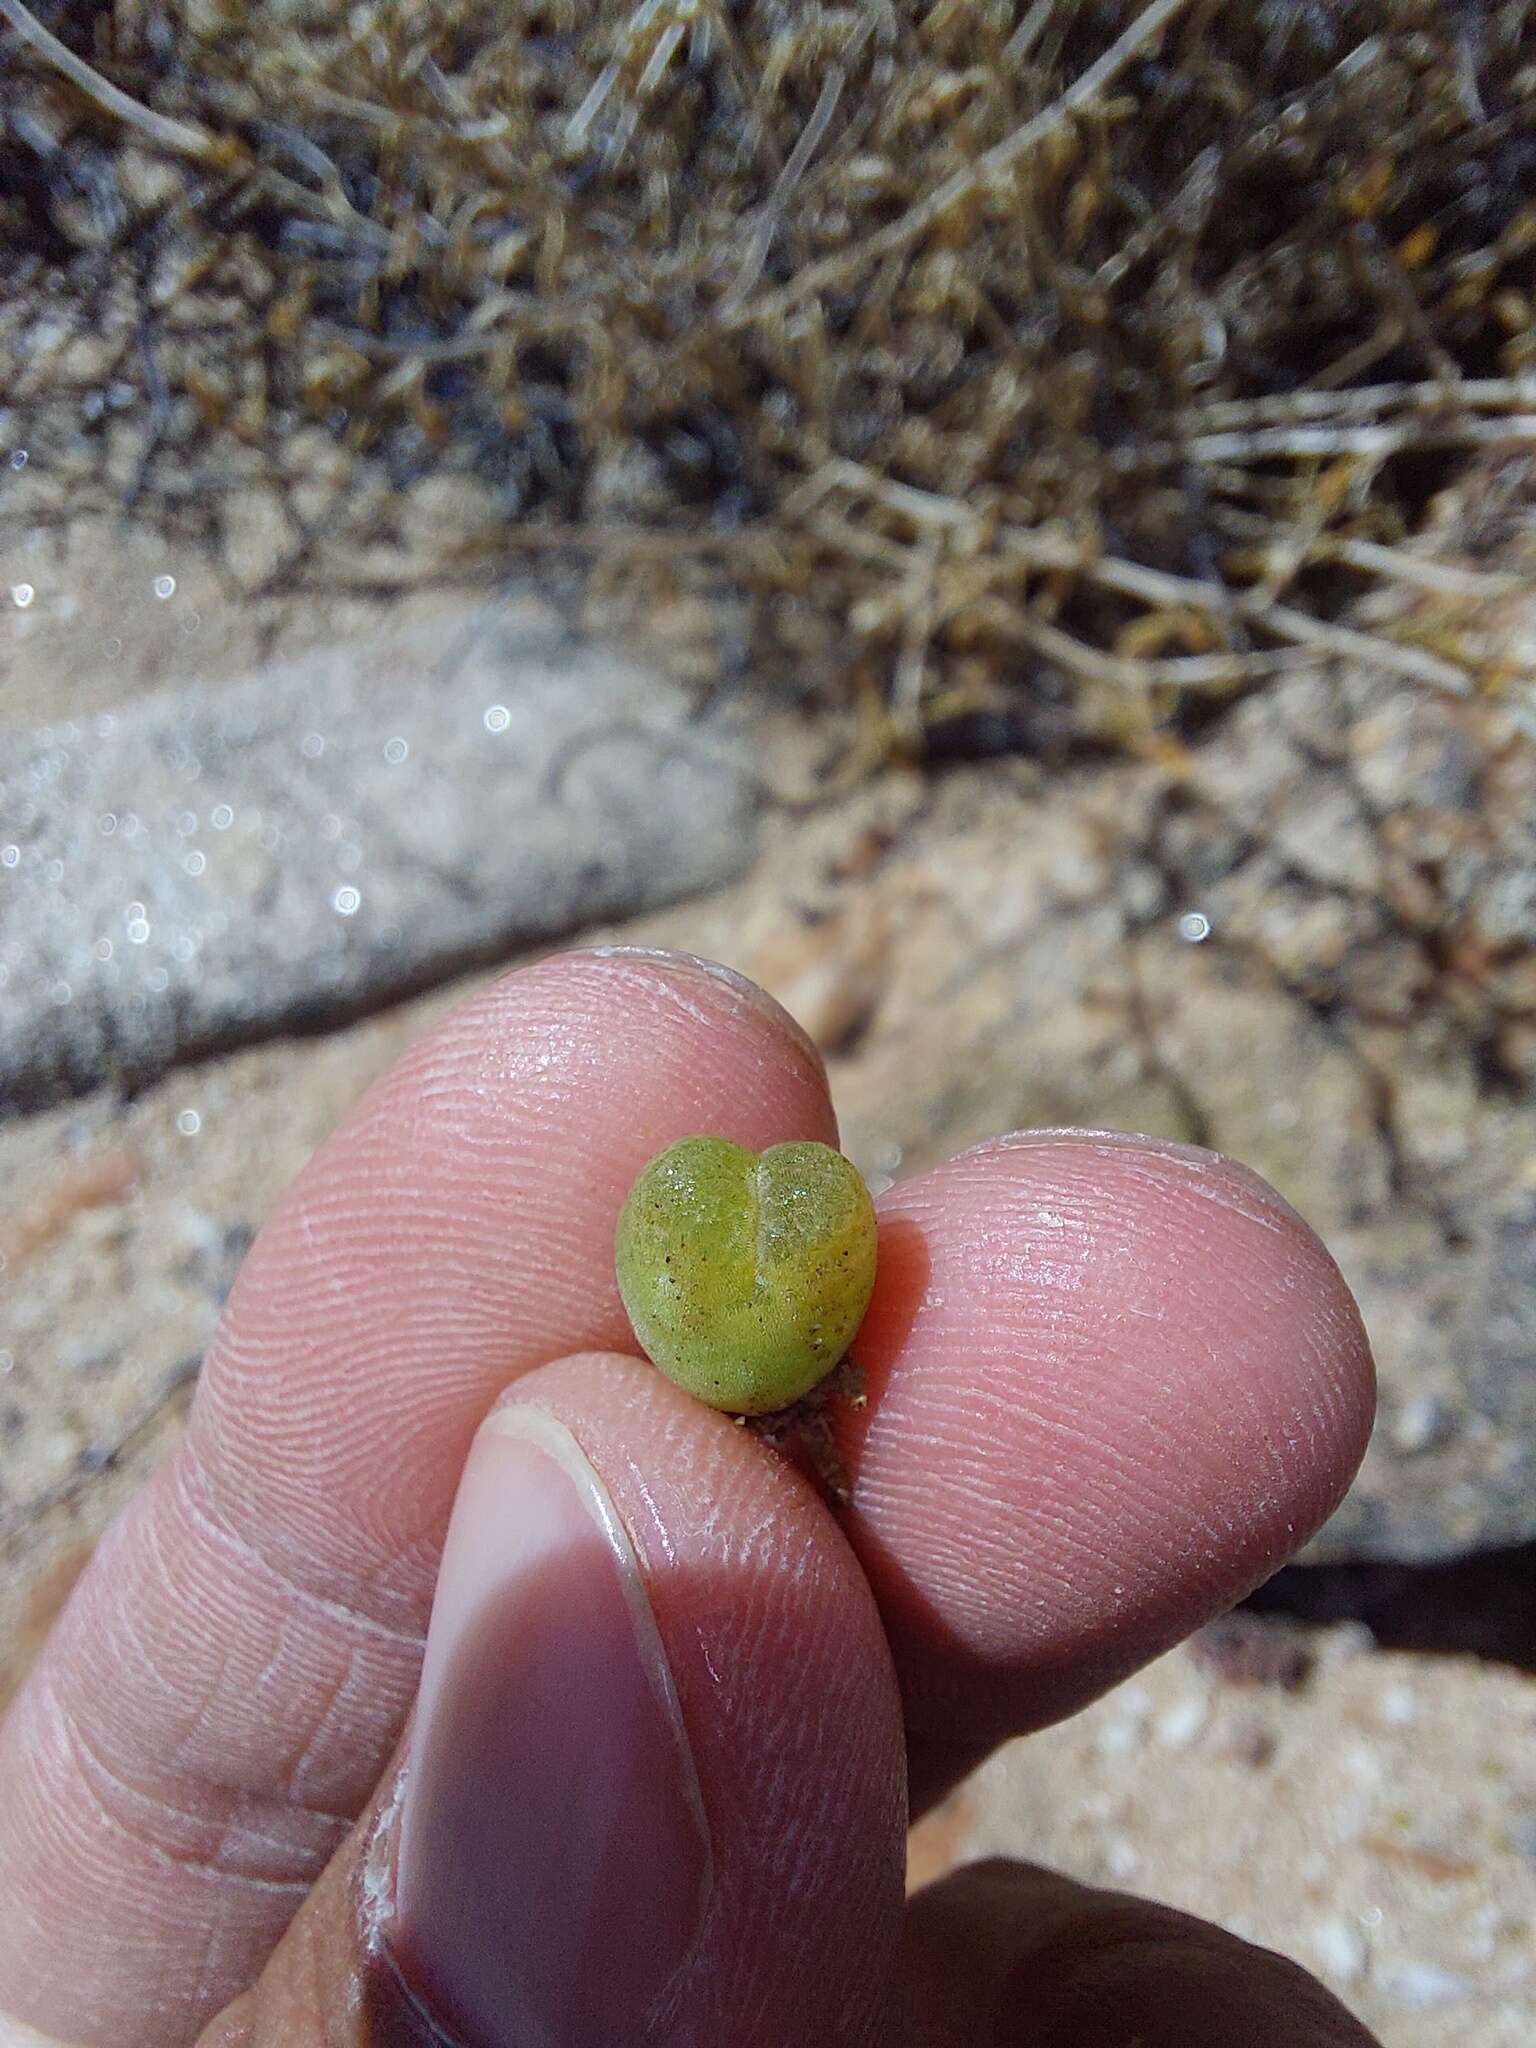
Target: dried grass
point(1091, 360)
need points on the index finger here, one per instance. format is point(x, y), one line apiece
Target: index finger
point(1113, 1383)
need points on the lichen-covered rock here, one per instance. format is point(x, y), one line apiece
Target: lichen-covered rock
point(204, 867)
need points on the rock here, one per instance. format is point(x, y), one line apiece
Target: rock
point(1339, 1951)
point(829, 972)
point(628, 485)
point(1421, 1423)
point(1182, 1724)
point(258, 537)
point(335, 830)
point(147, 182)
point(445, 514)
point(1245, 1649)
point(1411, 1982)
point(320, 470)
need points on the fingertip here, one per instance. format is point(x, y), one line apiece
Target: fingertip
point(663, 971)
point(1256, 1236)
point(1003, 1954)
point(1294, 1324)
point(783, 1684)
point(1112, 1385)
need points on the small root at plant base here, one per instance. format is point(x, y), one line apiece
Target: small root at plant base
point(806, 1426)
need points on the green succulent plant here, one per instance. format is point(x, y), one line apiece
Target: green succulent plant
point(745, 1274)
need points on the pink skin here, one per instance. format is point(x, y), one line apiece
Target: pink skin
point(1113, 1384)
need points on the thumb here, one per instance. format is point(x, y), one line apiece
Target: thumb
point(653, 1786)
point(1005, 1955)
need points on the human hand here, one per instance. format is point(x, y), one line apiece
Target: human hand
point(656, 1784)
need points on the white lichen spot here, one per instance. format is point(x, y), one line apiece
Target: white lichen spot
point(1340, 1950)
point(1178, 1726)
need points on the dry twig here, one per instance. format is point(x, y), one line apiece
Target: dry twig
point(933, 335)
point(990, 168)
point(178, 136)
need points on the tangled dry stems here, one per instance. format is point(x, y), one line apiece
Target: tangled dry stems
point(1095, 359)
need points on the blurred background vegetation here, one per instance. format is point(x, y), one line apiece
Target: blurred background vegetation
point(1049, 375)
